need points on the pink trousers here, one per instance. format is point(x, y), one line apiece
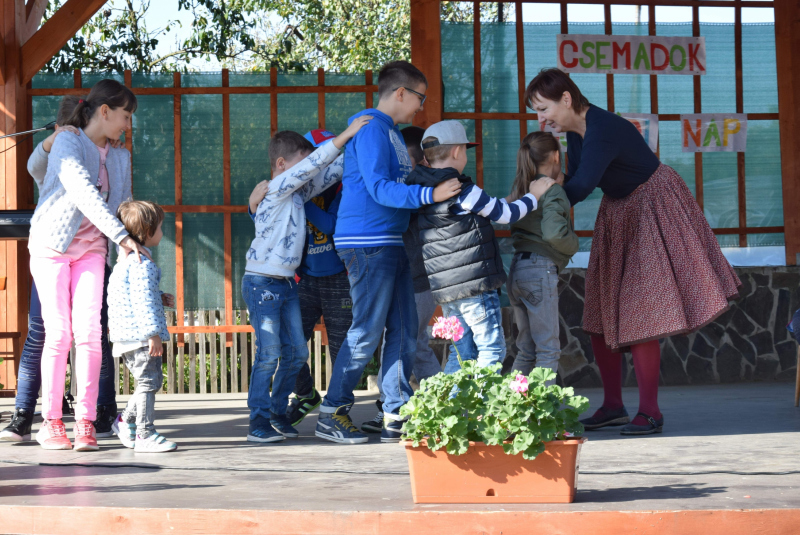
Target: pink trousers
point(71, 293)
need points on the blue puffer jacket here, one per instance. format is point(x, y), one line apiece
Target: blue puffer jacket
point(135, 312)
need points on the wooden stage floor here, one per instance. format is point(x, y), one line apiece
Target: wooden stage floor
point(728, 463)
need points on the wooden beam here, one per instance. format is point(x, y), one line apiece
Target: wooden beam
point(521, 85)
point(426, 55)
point(179, 296)
point(34, 11)
point(227, 232)
point(787, 52)
point(54, 34)
point(740, 166)
point(476, 52)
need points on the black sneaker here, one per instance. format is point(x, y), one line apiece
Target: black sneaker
point(606, 417)
point(280, 423)
point(299, 407)
point(651, 427)
point(376, 424)
point(19, 430)
point(392, 430)
point(106, 414)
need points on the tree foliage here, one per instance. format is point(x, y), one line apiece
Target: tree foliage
point(252, 35)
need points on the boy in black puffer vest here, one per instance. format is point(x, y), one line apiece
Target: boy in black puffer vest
point(461, 254)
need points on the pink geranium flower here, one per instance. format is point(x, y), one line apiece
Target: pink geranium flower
point(519, 384)
point(448, 328)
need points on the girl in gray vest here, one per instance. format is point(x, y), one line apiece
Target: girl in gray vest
point(544, 242)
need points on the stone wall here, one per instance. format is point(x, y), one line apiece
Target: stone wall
point(747, 343)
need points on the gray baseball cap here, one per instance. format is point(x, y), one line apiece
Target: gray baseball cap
point(447, 133)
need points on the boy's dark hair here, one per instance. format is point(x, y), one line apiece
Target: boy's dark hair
point(412, 135)
point(141, 219)
point(286, 145)
point(108, 92)
point(396, 74)
point(551, 84)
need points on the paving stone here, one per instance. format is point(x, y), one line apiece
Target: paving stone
point(585, 341)
point(765, 368)
point(783, 279)
point(743, 346)
point(747, 285)
point(760, 279)
point(787, 354)
point(702, 348)
point(741, 323)
point(759, 306)
point(713, 333)
point(701, 371)
point(672, 370)
point(729, 364)
point(681, 345)
point(586, 377)
point(763, 343)
point(789, 375)
point(571, 308)
point(782, 316)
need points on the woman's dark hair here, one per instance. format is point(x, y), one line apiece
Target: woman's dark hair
point(551, 84)
point(108, 92)
point(535, 150)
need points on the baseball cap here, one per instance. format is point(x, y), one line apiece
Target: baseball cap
point(319, 136)
point(447, 133)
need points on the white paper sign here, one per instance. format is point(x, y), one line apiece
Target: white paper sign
point(714, 132)
point(631, 54)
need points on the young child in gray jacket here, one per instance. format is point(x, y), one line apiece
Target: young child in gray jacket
point(138, 327)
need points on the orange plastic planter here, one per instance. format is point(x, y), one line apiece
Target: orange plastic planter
point(485, 474)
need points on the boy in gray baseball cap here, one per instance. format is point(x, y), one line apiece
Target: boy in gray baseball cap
point(460, 251)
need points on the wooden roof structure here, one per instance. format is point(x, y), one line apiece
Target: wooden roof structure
point(28, 45)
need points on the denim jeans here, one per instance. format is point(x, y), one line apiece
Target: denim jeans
point(483, 338)
point(328, 297)
point(425, 362)
point(149, 377)
point(533, 292)
point(280, 345)
point(383, 297)
point(30, 364)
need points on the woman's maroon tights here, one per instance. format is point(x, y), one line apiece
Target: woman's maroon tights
point(646, 364)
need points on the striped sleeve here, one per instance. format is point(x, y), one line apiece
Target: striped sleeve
point(477, 201)
point(426, 196)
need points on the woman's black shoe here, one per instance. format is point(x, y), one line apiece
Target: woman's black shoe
point(606, 418)
point(651, 427)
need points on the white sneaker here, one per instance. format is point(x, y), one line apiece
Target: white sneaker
point(125, 431)
point(155, 443)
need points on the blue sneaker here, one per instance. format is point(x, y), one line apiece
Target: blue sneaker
point(392, 430)
point(280, 423)
point(262, 431)
point(338, 427)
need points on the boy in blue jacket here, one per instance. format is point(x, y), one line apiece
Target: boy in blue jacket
point(373, 214)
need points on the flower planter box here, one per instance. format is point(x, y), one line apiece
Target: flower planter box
point(486, 474)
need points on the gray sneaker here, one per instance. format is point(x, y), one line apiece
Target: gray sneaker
point(338, 427)
point(125, 432)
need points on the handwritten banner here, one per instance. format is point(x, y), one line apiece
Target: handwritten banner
point(647, 125)
point(714, 132)
point(631, 54)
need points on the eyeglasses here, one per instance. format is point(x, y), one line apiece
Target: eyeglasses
point(420, 95)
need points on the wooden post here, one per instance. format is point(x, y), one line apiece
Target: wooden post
point(476, 50)
point(426, 55)
point(521, 82)
point(787, 51)
point(226, 200)
point(698, 156)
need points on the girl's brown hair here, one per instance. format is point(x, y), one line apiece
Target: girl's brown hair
point(108, 92)
point(551, 84)
point(534, 152)
point(141, 219)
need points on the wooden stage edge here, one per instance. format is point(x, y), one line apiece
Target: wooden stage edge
point(123, 521)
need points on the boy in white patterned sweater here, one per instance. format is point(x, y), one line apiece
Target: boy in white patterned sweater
point(268, 286)
point(138, 328)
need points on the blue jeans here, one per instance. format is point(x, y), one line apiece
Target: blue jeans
point(30, 363)
point(383, 296)
point(280, 345)
point(483, 338)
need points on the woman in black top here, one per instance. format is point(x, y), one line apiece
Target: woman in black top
point(655, 268)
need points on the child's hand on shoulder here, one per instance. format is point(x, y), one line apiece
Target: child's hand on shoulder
point(168, 300)
point(47, 144)
point(155, 346)
point(539, 187)
point(259, 192)
point(351, 130)
point(446, 189)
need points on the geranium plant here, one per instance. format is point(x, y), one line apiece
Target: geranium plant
point(477, 404)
